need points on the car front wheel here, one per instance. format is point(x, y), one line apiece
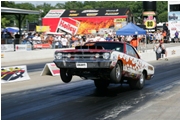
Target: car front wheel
point(66, 75)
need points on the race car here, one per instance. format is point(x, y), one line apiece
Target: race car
point(104, 62)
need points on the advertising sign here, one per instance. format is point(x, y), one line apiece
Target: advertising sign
point(174, 22)
point(42, 29)
point(42, 46)
point(54, 13)
point(21, 47)
point(50, 69)
point(7, 47)
point(68, 25)
point(149, 19)
point(88, 21)
point(14, 73)
point(96, 12)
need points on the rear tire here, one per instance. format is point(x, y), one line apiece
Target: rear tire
point(138, 84)
point(66, 75)
point(101, 84)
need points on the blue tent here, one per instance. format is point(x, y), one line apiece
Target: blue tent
point(12, 30)
point(131, 29)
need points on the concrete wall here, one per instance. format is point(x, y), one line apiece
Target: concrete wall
point(149, 55)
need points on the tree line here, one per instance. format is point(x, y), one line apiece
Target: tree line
point(136, 8)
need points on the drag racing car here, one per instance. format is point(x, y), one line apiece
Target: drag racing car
point(104, 62)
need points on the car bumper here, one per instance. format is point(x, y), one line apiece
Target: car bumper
point(89, 64)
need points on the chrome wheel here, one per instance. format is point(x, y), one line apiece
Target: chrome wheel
point(118, 71)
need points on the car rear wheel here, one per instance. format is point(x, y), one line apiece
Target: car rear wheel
point(116, 73)
point(138, 84)
point(66, 75)
point(101, 84)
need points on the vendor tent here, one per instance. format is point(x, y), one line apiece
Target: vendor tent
point(11, 30)
point(130, 29)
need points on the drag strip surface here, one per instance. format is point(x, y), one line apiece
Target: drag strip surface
point(81, 101)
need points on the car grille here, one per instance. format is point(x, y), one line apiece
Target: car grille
point(82, 55)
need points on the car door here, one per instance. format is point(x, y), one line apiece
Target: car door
point(134, 61)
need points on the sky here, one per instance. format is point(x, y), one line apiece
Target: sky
point(53, 3)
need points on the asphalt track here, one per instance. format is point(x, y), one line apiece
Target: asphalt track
point(47, 98)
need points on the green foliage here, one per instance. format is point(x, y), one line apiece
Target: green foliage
point(4, 22)
point(135, 7)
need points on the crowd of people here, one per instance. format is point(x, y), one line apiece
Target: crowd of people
point(62, 40)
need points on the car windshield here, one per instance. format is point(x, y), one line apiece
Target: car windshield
point(108, 45)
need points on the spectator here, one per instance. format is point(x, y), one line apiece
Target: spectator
point(97, 38)
point(102, 38)
point(50, 39)
point(64, 41)
point(105, 34)
point(176, 36)
point(128, 38)
point(164, 51)
point(17, 38)
point(57, 42)
point(42, 36)
point(157, 50)
point(89, 38)
point(158, 35)
point(109, 38)
point(160, 50)
point(164, 36)
point(84, 38)
point(72, 39)
point(134, 42)
point(36, 39)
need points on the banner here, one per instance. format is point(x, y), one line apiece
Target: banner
point(50, 69)
point(42, 46)
point(42, 29)
point(174, 23)
point(54, 13)
point(7, 47)
point(96, 12)
point(88, 21)
point(23, 47)
point(14, 73)
point(68, 25)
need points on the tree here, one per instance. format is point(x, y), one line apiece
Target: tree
point(135, 7)
point(4, 22)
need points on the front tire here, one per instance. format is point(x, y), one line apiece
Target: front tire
point(116, 73)
point(66, 75)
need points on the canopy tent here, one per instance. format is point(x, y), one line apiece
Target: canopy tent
point(11, 30)
point(131, 29)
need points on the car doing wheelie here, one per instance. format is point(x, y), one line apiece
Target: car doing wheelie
point(104, 62)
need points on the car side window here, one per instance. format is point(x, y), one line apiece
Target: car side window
point(130, 51)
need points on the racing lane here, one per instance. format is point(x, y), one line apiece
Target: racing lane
point(80, 100)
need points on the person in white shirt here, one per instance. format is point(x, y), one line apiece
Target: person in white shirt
point(129, 38)
point(97, 37)
point(36, 39)
point(57, 42)
point(64, 41)
point(102, 38)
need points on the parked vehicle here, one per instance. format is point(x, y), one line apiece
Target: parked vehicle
point(105, 63)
